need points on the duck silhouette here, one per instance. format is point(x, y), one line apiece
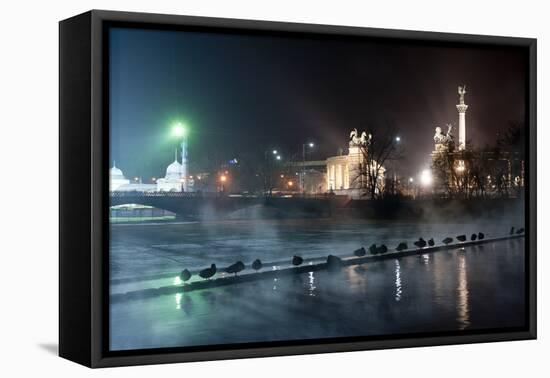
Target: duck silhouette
point(257, 264)
point(185, 275)
point(333, 262)
point(421, 243)
point(461, 238)
point(360, 252)
point(512, 230)
point(372, 249)
point(520, 231)
point(382, 249)
point(447, 240)
point(481, 235)
point(297, 260)
point(235, 268)
point(208, 272)
point(401, 247)
point(431, 242)
point(473, 237)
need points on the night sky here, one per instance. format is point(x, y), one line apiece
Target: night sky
point(240, 95)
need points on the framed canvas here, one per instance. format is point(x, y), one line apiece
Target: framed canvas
point(233, 188)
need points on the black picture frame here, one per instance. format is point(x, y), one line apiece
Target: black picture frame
point(83, 195)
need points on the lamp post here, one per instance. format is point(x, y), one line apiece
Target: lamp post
point(180, 131)
point(268, 155)
point(302, 176)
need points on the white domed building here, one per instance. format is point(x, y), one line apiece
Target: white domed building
point(173, 181)
point(116, 178)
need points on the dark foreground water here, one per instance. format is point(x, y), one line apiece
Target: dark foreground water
point(475, 288)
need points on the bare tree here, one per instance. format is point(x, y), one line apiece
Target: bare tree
point(381, 147)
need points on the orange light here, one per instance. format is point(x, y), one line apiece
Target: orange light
point(223, 178)
point(290, 183)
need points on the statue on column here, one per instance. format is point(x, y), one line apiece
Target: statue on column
point(461, 93)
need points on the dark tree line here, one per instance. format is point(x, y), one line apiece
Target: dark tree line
point(495, 171)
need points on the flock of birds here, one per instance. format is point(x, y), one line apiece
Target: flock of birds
point(334, 262)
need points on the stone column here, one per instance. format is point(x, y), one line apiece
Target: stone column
point(184, 172)
point(462, 107)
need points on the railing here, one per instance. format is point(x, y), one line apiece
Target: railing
point(134, 194)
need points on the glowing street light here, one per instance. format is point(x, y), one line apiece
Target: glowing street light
point(179, 130)
point(398, 139)
point(426, 177)
point(274, 152)
point(411, 180)
point(278, 157)
point(223, 178)
point(303, 173)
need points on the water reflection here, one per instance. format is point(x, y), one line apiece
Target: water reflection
point(398, 289)
point(178, 300)
point(368, 299)
point(311, 286)
point(463, 304)
point(425, 259)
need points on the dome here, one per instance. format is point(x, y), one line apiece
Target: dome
point(174, 171)
point(116, 173)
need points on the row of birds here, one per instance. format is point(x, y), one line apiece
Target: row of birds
point(334, 261)
point(420, 243)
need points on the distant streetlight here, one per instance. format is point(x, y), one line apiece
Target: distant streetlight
point(274, 152)
point(223, 178)
point(278, 157)
point(398, 139)
point(290, 184)
point(302, 176)
point(411, 180)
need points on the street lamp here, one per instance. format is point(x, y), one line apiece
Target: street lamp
point(302, 176)
point(426, 177)
point(179, 130)
point(398, 139)
point(223, 179)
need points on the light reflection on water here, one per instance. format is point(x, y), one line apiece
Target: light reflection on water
point(398, 289)
point(311, 283)
point(462, 303)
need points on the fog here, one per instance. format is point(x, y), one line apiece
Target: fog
point(479, 287)
point(460, 289)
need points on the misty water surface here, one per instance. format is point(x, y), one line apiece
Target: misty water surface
point(475, 288)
